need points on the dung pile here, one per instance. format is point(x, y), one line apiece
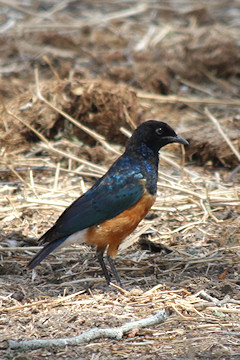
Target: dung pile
point(203, 50)
point(105, 107)
point(206, 144)
point(99, 105)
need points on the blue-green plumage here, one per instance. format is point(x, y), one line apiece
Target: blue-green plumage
point(132, 175)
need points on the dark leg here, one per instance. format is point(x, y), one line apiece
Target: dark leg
point(103, 266)
point(114, 270)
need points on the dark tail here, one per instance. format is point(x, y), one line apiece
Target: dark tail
point(44, 252)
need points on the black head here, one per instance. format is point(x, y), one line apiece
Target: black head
point(155, 134)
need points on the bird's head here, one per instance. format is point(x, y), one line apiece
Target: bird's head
point(155, 134)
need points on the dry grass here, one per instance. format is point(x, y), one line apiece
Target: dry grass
point(188, 258)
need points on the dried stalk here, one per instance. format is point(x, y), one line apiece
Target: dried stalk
point(173, 99)
point(91, 21)
point(222, 133)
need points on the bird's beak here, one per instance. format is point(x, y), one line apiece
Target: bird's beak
point(181, 140)
point(176, 139)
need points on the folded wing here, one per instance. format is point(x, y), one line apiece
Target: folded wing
point(106, 199)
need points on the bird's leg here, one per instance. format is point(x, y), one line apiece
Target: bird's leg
point(114, 270)
point(103, 266)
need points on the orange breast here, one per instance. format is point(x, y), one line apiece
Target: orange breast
point(112, 232)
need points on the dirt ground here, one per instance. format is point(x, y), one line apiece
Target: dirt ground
point(76, 77)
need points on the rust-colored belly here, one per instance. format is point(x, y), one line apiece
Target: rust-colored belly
point(112, 232)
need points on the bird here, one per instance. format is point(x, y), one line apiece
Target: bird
point(113, 207)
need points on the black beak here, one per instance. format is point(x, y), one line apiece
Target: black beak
point(181, 140)
point(176, 139)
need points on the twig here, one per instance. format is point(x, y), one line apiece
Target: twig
point(184, 190)
point(22, 180)
point(194, 85)
point(134, 238)
point(34, 248)
point(20, 248)
point(122, 290)
point(233, 173)
point(223, 310)
point(222, 133)
point(56, 179)
point(16, 6)
point(152, 37)
point(55, 73)
point(173, 99)
point(212, 301)
point(53, 168)
point(88, 336)
point(90, 21)
point(204, 295)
